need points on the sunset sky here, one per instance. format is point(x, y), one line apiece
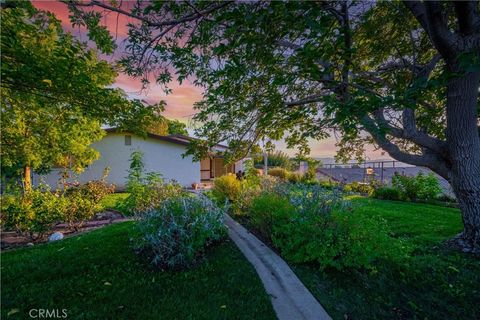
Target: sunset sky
point(181, 100)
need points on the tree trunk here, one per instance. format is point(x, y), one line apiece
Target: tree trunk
point(464, 150)
point(27, 178)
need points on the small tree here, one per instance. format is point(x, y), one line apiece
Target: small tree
point(177, 127)
point(55, 95)
point(166, 126)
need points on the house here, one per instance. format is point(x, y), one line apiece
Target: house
point(161, 154)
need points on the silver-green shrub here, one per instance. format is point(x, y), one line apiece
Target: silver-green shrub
point(176, 234)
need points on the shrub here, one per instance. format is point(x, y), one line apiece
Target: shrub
point(279, 173)
point(95, 190)
point(428, 186)
point(310, 224)
point(339, 241)
point(327, 184)
point(34, 213)
point(151, 194)
point(249, 191)
point(241, 194)
point(359, 188)
point(368, 241)
point(268, 183)
point(421, 186)
point(137, 169)
point(310, 175)
point(251, 173)
point(387, 193)
point(311, 199)
point(294, 177)
point(79, 209)
point(267, 210)
point(314, 238)
point(275, 159)
point(84, 201)
point(226, 187)
point(146, 189)
point(175, 235)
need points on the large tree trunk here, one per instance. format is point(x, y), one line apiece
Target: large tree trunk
point(464, 151)
point(27, 178)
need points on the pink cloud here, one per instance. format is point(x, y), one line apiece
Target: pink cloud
point(179, 102)
point(115, 23)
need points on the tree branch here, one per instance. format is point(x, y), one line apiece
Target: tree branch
point(310, 99)
point(186, 18)
point(468, 18)
point(417, 8)
point(409, 131)
point(409, 123)
point(336, 85)
point(432, 161)
point(155, 38)
point(427, 69)
point(335, 12)
point(293, 46)
point(445, 41)
point(429, 15)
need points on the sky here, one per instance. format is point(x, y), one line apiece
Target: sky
point(179, 103)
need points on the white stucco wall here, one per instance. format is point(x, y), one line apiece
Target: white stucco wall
point(240, 165)
point(159, 156)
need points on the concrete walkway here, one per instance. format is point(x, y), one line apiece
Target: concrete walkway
point(291, 300)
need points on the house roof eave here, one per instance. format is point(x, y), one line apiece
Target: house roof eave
point(174, 138)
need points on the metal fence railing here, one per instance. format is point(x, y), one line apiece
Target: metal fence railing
point(365, 170)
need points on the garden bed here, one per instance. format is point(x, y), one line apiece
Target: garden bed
point(435, 283)
point(113, 212)
point(432, 282)
point(10, 239)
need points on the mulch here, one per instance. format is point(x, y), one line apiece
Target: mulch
point(11, 240)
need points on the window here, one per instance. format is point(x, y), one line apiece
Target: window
point(128, 140)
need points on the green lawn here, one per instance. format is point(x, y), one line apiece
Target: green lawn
point(97, 276)
point(434, 284)
point(114, 201)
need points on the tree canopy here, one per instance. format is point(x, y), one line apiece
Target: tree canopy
point(403, 76)
point(56, 95)
point(164, 126)
point(177, 127)
point(320, 69)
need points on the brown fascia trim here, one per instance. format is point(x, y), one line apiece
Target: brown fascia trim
point(175, 138)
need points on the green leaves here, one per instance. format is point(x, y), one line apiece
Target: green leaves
point(293, 70)
point(55, 96)
point(96, 32)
